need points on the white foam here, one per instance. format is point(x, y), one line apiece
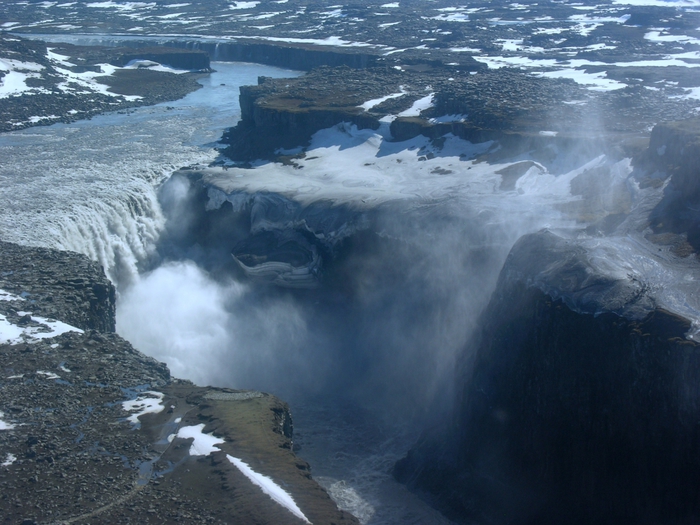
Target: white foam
point(243, 5)
point(121, 6)
point(9, 460)
point(149, 402)
point(450, 17)
point(658, 3)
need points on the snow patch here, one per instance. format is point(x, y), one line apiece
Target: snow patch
point(7, 296)
point(376, 101)
point(49, 375)
point(13, 334)
point(418, 106)
point(448, 118)
point(149, 402)
point(269, 487)
point(205, 444)
point(202, 444)
point(4, 425)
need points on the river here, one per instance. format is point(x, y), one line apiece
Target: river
point(365, 362)
point(91, 187)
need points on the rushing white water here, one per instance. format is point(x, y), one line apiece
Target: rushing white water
point(91, 186)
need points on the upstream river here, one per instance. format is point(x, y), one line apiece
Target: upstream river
point(367, 360)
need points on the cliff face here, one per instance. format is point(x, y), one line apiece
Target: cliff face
point(61, 285)
point(93, 431)
point(674, 149)
point(176, 58)
point(579, 403)
point(299, 57)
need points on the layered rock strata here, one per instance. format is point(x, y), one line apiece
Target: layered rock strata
point(522, 112)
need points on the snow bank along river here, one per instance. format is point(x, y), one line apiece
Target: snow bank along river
point(362, 374)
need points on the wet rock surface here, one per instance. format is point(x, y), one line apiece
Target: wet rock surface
point(88, 424)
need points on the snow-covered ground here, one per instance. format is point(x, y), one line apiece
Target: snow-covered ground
point(545, 38)
point(205, 444)
point(40, 327)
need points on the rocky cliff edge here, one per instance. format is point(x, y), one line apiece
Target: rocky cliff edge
point(93, 431)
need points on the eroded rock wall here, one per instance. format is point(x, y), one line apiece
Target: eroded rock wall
point(93, 431)
point(568, 412)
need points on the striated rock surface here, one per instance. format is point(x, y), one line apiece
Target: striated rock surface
point(578, 402)
point(93, 431)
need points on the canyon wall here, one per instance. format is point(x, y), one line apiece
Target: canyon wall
point(93, 431)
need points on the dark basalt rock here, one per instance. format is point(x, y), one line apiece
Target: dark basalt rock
point(674, 150)
point(57, 105)
point(168, 56)
point(302, 57)
point(61, 285)
point(68, 454)
point(578, 403)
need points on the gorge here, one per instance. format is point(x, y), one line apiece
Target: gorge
point(481, 283)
